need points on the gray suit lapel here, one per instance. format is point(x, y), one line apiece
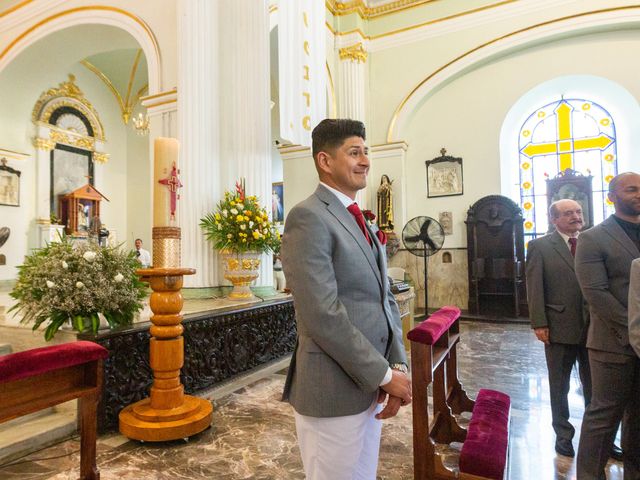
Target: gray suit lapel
point(563, 250)
point(616, 232)
point(349, 223)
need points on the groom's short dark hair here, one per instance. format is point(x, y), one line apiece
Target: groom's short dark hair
point(331, 133)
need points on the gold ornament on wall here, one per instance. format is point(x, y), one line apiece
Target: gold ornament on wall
point(355, 53)
point(67, 94)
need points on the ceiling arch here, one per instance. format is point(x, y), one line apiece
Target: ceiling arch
point(102, 15)
point(598, 20)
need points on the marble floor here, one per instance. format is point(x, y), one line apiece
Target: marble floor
point(252, 434)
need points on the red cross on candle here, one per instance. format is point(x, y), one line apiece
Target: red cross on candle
point(173, 182)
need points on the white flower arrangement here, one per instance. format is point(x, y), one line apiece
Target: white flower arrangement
point(62, 283)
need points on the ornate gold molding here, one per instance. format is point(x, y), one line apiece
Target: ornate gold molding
point(44, 144)
point(69, 138)
point(100, 157)
point(355, 53)
point(366, 12)
point(419, 25)
point(67, 94)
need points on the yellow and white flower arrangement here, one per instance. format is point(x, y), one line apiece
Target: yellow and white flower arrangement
point(240, 224)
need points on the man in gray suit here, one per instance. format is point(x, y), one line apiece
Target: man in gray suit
point(558, 314)
point(603, 262)
point(349, 357)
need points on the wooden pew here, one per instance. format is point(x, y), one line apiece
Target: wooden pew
point(44, 377)
point(434, 362)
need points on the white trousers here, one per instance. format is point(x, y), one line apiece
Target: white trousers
point(340, 448)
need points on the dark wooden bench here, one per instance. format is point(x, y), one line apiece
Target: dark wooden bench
point(44, 377)
point(485, 441)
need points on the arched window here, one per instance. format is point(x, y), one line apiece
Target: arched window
point(574, 133)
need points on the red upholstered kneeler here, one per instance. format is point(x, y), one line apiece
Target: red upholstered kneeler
point(44, 377)
point(485, 443)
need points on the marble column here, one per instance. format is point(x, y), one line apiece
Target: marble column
point(198, 123)
point(245, 103)
point(352, 94)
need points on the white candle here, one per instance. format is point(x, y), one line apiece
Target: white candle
point(165, 154)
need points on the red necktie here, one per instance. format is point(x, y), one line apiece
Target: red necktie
point(572, 244)
point(354, 210)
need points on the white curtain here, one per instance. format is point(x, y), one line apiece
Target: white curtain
point(302, 59)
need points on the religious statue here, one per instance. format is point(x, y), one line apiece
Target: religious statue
point(385, 205)
point(83, 217)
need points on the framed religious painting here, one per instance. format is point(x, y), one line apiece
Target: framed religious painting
point(9, 185)
point(277, 202)
point(444, 176)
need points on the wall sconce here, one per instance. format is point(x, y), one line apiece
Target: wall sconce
point(141, 124)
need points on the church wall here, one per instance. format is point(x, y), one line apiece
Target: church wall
point(465, 116)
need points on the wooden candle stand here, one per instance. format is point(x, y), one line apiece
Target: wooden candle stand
point(168, 414)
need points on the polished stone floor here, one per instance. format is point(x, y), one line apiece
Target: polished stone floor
point(252, 434)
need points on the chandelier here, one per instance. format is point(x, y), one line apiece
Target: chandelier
point(141, 124)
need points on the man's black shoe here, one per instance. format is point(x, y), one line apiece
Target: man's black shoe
point(616, 453)
point(565, 447)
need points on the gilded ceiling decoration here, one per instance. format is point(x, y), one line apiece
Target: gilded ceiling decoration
point(127, 103)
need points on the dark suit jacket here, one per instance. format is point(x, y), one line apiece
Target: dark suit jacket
point(603, 264)
point(349, 328)
point(553, 293)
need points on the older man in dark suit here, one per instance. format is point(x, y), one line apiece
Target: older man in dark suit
point(558, 313)
point(603, 262)
point(349, 355)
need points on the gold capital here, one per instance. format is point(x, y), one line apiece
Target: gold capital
point(44, 144)
point(355, 53)
point(100, 157)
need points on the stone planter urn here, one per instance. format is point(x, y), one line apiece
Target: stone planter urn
point(241, 269)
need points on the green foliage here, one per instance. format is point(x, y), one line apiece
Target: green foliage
point(63, 282)
point(240, 224)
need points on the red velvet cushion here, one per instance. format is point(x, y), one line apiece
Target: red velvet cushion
point(484, 452)
point(40, 360)
point(432, 328)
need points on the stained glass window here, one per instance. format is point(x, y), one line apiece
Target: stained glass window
point(567, 133)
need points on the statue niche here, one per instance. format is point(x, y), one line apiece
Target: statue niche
point(495, 249)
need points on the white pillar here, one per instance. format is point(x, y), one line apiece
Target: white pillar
point(198, 120)
point(245, 103)
point(352, 93)
point(352, 82)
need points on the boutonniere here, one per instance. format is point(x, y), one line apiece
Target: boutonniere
point(370, 218)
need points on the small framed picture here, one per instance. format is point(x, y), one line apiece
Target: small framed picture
point(444, 176)
point(9, 185)
point(277, 202)
point(446, 220)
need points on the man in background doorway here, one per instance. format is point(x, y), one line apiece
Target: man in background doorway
point(144, 257)
point(559, 315)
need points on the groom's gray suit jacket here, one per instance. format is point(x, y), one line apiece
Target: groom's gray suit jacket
point(349, 328)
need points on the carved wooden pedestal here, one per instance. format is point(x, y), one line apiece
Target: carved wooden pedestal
point(168, 414)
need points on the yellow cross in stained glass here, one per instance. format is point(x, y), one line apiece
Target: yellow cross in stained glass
point(565, 146)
